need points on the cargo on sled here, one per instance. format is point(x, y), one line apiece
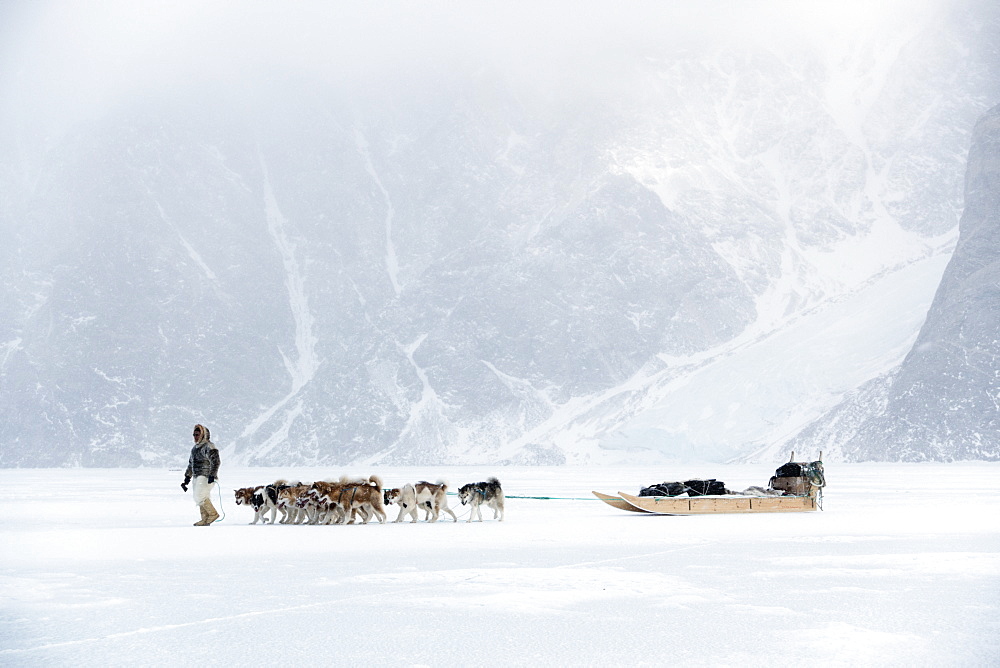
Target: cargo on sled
point(794, 488)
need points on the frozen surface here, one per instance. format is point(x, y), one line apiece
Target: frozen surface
point(902, 568)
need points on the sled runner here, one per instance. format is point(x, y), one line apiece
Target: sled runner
point(796, 487)
point(617, 502)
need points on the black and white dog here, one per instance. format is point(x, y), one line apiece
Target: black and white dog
point(257, 498)
point(477, 493)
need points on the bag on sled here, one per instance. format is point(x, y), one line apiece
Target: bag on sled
point(708, 487)
point(663, 489)
point(791, 470)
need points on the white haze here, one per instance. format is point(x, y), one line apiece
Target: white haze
point(63, 62)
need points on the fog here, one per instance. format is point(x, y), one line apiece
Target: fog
point(68, 61)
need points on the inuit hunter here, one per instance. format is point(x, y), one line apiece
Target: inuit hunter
point(203, 465)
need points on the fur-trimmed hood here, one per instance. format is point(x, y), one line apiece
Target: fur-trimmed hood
point(206, 435)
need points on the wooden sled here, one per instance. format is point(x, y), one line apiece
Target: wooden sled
point(706, 505)
point(802, 495)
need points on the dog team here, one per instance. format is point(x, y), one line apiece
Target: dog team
point(349, 501)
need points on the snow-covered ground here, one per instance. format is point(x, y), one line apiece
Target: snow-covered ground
point(902, 568)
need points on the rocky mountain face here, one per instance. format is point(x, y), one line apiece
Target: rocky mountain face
point(464, 268)
point(943, 401)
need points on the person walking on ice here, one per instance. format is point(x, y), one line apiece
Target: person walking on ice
point(203, 465)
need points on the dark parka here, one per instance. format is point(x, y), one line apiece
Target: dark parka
point(204, 458)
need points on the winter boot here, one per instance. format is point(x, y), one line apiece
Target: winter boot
point(204, 517)
point(210, 513)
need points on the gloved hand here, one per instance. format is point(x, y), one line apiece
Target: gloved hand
point(184, 486)
point(211, 479)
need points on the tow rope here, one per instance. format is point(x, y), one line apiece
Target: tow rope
point(218, 488)
point(542, 498)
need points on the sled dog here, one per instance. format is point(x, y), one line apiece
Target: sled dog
point(332, 501)
point(362, 497)
point(405, 498)
point(261, 499)
point(287, 502)
point(477, 493)
point(433, 498)
point(320, 502)
point(430, 497)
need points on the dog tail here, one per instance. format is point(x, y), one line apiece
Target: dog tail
point(493, 481)
point(375, 481)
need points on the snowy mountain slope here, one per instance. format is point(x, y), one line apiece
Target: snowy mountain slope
point(942, 402)
point(753, 389)
point(464, 266)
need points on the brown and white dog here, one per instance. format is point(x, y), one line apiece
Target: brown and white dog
point(261, 499)
point(332, 501)
point(287, 503)
point(433, 497)
point(429, 497)
point(319, 502)
point(477, 493)
point(312, 504)
point(364, 497)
